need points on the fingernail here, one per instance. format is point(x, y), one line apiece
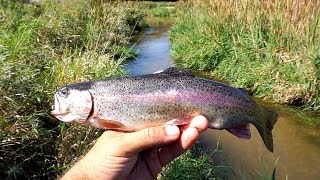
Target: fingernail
point(172, 131)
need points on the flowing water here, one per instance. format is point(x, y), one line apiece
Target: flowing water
point(154, 50)
point(296, 145)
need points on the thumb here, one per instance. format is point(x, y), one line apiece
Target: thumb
point(149, 138)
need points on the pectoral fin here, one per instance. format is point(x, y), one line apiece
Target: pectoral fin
point(241, 131)
point(108, 124)
point(178, 121)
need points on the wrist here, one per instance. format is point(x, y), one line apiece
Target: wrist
point(78, 171)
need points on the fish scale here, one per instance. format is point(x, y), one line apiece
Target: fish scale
point(173, 96)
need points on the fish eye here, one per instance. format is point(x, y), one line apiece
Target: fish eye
point(64, 92)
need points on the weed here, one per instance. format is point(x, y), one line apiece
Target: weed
point(261, 174)
point(268, 47)
point(44, 46)
point(196, 163)
point(163, 11)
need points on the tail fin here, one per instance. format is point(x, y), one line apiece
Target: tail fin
point(268, 120)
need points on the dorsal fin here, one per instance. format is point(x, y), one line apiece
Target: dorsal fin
point(177, 71)
point(244, 90)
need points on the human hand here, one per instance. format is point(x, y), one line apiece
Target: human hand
point(136, 155)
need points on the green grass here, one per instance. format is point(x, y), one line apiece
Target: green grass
point(159, 9)
point(262, 174)
point(268, 47)
point(46, 45)
point(163, 11)
point(196, 163)
point(42, 47)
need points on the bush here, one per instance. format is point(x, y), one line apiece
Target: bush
point(44, 46)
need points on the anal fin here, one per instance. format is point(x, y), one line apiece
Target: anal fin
point(241, 131)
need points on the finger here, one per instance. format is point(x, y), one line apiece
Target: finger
point(199, 122)
point(138, 141)
point(170, 152)
point(189, 136)
point(151, 157)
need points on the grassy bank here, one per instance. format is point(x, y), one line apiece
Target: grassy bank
point(196, 163)
point(271, 48)
point(47, 45)
point(44, 46)
point(159, 8)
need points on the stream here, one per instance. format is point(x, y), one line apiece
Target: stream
point(296, 145)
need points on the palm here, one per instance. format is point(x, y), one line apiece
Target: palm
point(137, 155)
point(147, 164)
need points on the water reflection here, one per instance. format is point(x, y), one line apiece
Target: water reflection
point(154, 50)
point(295, 144)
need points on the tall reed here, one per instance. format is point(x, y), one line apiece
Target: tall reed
point(42, 47)
point(266, 46)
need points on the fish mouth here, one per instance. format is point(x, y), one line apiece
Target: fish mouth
point(57, 110)
point(63, 116)
point(58, 113)
point(64, 113)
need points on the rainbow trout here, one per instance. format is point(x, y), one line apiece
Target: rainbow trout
point(173, 96)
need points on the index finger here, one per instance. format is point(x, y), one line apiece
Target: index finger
point(188, 137)
point(199, 122)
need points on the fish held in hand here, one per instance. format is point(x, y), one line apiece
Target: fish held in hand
point(173, 96)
